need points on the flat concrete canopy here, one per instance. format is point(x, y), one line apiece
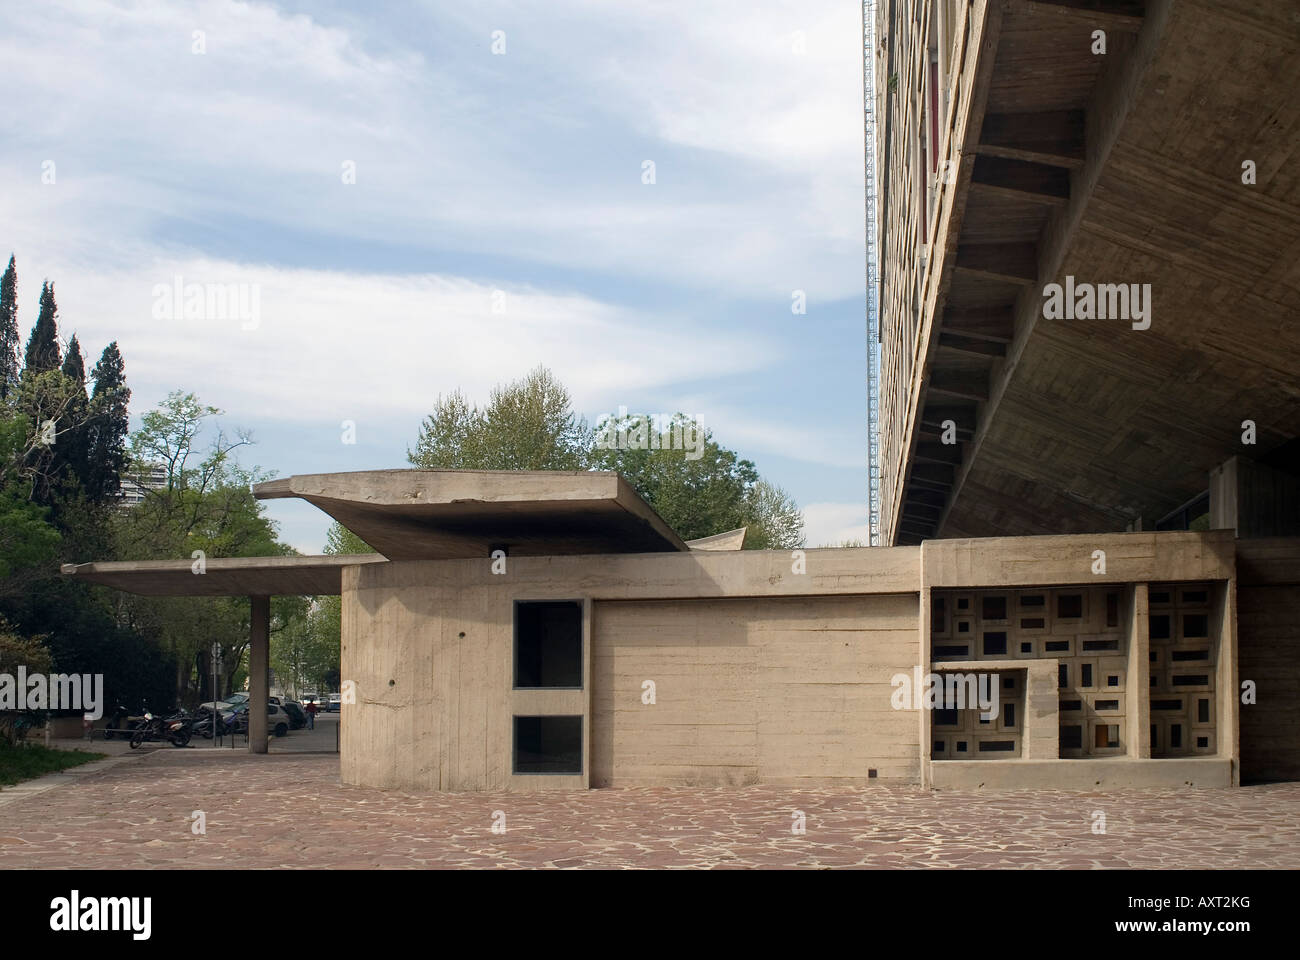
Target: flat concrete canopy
point(451, 514)
point(227, 577)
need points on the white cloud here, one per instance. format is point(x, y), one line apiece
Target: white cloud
point(830, 524)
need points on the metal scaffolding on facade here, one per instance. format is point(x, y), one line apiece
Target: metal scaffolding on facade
point(873, 273)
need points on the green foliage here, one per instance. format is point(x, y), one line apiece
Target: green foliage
point(527, 425)
point(107, 428)
point(43, 345)
point(9, 339)
point(704, 490)
point(25, 761)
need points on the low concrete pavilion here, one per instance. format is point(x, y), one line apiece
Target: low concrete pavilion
point(410, 514)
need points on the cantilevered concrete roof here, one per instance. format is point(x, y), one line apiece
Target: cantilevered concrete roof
point(448, 514)
point(229, 577)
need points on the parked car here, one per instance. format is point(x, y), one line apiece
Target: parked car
point(334, 703)
point(297, 715)
point(237, 699)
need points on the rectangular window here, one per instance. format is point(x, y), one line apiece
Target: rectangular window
point(952, 650)
point(1071, 705)
point(1107, 704)
point(1009, 714)
point(1032, 623)
point(1159, 627)
point(1107, 736)
point(994, 608)
point(1202, 711)
point(1182, 656)
point(1057, 646)
point(1062, 674)
point(1069, 606)
point(1085, 674)
point(997, 746)
point(1112, 609)
point(548, 745)
point(1071, 736)
point(1100, 645)
point(548, 644)
point(1191, 680)
point(1196, 625)
point(995, 644)
point(1175, 735)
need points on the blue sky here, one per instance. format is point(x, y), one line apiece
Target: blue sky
point(498, 217)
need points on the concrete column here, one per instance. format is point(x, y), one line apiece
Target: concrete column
point(1137, 678)
point(259, 658)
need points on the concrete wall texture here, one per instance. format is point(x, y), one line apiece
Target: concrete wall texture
point(759, 671)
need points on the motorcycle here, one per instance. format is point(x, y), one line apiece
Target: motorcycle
point(203, 725)
point(176, 729)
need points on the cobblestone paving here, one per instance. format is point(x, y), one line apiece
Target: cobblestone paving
point(291, 811)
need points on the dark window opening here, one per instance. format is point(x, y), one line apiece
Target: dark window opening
point(1032, 623)
point(1166, 704)
point(1195, 596)
point(1069, 606)
point(995, 608)
point(1112, 681)
point(963, 626)
point(1202, 742)
point(1191, 680)
point(997, 746)
point(945, 718)
point(1107, 736)
point(1196, 625)
point(1159, 627)
point(1054, 646)
point(1107, 704)
point(951, 650)
point(548, 744)
point(995, 644)
point(1032, 600)
point(1063, 675)
point(1202, 711)
point(1101, 644)
point(1009, 714)
point(1085, 674)
point(1071, 736)
point(548, 644)
point(1112, 609)
point(1185, 655)
point(1175, 735)
point(1009, 683)
point(1161, 596)
point(1071, 704)
point(1026, 648)
point(961, 746)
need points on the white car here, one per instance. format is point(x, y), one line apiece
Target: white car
point(232, 702)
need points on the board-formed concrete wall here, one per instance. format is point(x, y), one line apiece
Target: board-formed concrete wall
point(752, 690)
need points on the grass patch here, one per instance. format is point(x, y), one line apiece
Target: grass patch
point(25, 761)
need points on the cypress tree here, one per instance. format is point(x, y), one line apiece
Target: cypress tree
point(106, 449)
point(43, 346)
point(73, 453)
point(9, 340)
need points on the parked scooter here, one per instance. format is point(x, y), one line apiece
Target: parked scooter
point(176, 730)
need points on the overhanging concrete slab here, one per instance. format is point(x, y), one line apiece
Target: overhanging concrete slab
point(225, 577)
point(459, 514)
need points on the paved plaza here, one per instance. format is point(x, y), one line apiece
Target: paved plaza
point(290, 810)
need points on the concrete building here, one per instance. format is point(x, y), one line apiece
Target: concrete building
point(1089, 409)
point(548, 631)
point(1089, 214)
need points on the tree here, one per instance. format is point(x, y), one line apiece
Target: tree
point(205, 505)
point(527, 425)
point(701, 491)
point(43, 345)
point(9, 340)
point(72, 453)
point(106, 457)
